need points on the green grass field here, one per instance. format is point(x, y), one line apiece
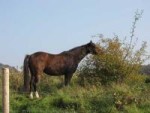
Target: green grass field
point(127, 97)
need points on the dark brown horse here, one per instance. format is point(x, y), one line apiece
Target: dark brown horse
point(64, 63)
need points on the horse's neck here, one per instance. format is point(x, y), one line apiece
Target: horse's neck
point(79, 53)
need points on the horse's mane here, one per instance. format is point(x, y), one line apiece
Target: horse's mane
point(73, 49)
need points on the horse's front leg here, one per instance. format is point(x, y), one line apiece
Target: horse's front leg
point(68, 78)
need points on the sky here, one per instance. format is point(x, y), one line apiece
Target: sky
point(28, 26)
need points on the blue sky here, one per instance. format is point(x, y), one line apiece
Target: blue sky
point(27, 26)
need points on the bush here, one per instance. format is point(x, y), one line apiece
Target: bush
point(119, 61)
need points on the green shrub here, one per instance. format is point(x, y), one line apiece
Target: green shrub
point(16, 81)
point(119, 61)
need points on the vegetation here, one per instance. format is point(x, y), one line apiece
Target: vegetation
point(108, 83)
point(131, 96)
point(120, 60)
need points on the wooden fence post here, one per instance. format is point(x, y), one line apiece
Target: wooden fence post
point(5, 90)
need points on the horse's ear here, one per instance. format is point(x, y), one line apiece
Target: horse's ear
point(90, 43)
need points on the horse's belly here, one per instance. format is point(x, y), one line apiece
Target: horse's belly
point(54, 71)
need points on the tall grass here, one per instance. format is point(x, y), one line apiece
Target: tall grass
point(127, 97)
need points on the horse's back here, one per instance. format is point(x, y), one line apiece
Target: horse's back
point(46, 59)
point(40, 53)
point(50, 63)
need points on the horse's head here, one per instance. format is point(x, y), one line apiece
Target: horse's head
point(93, 49)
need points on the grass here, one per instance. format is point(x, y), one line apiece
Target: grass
point(127, 97)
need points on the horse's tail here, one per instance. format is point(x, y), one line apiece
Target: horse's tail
point(26, 73)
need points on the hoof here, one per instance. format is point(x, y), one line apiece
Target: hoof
point(37, 95)
point(31, 95)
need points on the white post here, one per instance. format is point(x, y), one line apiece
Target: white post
point(5, 90)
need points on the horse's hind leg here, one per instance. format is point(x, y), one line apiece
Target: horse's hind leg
point(36, 80)
point(31, 87)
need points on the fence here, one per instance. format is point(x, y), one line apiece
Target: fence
point(5, 90)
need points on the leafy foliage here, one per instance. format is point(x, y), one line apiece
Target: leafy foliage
point(120, 60)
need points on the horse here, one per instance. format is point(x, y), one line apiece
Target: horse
point(64, 63)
